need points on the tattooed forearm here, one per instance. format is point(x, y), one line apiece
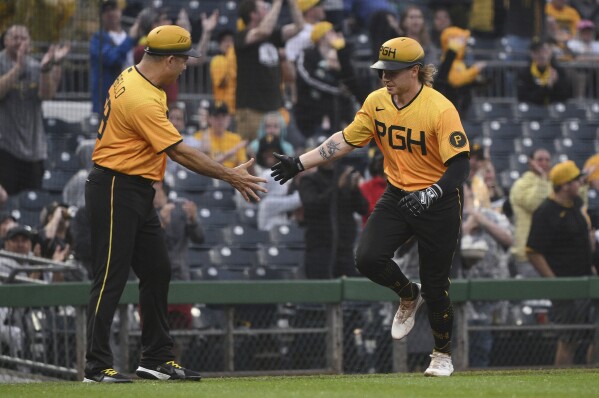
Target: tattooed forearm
point(328, 152)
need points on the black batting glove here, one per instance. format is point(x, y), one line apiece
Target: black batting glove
point(287, 168)
point(416, 202)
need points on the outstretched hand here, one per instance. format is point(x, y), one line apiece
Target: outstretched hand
point(286, 168)
point(245, 183)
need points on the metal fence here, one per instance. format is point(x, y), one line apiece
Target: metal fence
point(301, 327)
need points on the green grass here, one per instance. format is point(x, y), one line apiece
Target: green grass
point(577, 383)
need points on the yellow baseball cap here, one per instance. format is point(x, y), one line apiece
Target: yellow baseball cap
point(319, 30)
point(305, 5)
point(564, 172)
point(399, 53)
point(170, 40)
point(592, 163)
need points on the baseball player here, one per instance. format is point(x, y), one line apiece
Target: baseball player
point(426, 161)
point(133, 141)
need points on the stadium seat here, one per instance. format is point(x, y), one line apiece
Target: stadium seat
point(244, 236)
point(502, 129)
point(473, 129)
point(229, 256)
point(213, 218)
point(486, 110)
point(187, 181)
point(580, 130)
point(279, 256)
point(34, 200)
point(218, 199)
point(543, 130)
point(63, 160)
point(213, 236)
point(568, 110)
point(248, 217)
point(198, 257)
point(507, 178)
point(289, 235)
point(27, 217)
point(577, 150)
point(525, 111)
point(213, 272)
point(55, 180)
point(273, 273)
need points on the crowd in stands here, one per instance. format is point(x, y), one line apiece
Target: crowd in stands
point(283, 75)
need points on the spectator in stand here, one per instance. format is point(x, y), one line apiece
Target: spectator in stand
point(73, 193)
point(150, 18)
point(54, 234)
point(373, 188)
point(497, 196)
point(476, 180)
point(566, 17)
point(542, 82)
point(3, 196)
point(258, 61)
point(362, 10)
point(382, 26)
point(413, 25)
point(585, 47)
point(330, 195)
point(322, 104)
point(110, 52)
point(487, 237)
point(24, 83)
point(523, 21)
point(218, 142)
point(560, 245)
point(526, 195)
point(7, 221)
point(176, 115)
point(441, 21)
point(313, 13)
point(275, 206)
point(456, 79)
point(272, 133)
point(223, 71)
point(486, 23)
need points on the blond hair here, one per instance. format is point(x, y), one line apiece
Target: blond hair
point(426, 74)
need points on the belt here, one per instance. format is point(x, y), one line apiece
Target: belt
point(397, 190)
point(137, 179)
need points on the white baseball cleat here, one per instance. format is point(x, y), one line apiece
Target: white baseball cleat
point(406, 316)
point(441, 365)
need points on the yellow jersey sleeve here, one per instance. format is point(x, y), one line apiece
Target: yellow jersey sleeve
point(153, 125)
point(452, 139)
point(361, 129)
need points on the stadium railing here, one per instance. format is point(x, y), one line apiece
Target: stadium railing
point(320, 309)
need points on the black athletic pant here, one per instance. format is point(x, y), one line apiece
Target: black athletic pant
point(436, 230)
point(126, 233)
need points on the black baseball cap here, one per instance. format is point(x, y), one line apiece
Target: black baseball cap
point(218, 108)
point(18, 230)
point(170, 40)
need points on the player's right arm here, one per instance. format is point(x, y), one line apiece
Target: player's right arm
point(200, 163)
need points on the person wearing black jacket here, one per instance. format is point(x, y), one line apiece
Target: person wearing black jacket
point(325, 79)
point(330, 196)
point(542, 82)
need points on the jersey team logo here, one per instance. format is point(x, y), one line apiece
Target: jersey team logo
point(457, 139)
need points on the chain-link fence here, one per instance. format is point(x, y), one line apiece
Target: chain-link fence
point(302, 338)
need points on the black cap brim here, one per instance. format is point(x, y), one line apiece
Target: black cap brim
point(394, 65)
point(192, 52)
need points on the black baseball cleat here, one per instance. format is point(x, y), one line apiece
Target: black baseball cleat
point(108, 375)
point(170, 370)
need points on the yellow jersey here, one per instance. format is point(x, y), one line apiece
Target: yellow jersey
point(219, 145)
point(223, 73)
point(134, 130)
point(417, 140)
